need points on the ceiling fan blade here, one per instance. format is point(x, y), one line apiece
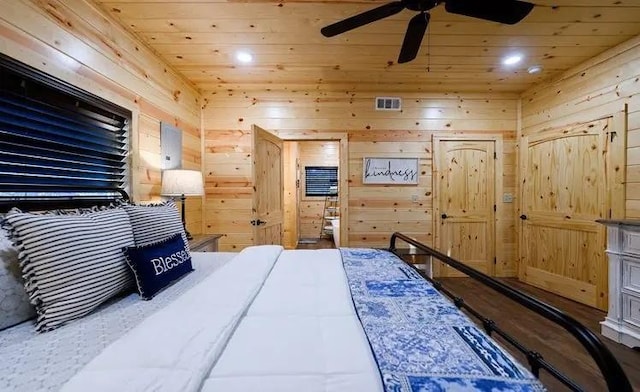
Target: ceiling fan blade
point(362, 19)
point(503, 11)
point(413, 38)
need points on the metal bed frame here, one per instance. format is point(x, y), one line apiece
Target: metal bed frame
point(611, 370)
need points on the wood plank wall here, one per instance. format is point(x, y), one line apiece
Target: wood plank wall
point(375, 211)
point(228, 187)
point(80, 44)
point(599, 88)
point(313, 153)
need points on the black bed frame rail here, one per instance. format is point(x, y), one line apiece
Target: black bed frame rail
point(614, 376)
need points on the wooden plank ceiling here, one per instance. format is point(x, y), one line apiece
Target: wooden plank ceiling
point(200, 39)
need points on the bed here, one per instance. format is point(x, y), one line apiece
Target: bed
point(269, 319)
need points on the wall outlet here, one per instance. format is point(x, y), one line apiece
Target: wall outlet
point(507, 198)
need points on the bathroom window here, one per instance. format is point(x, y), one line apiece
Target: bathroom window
point(321, 180)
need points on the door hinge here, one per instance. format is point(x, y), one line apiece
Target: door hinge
point(495, 208)
point(297, 184)
point(495, 260)
point(495, 155)
point(610, 213)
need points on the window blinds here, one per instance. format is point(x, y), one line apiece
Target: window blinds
point(321, 180)
point(57, 143)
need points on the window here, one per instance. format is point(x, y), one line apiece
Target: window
point(321, 180)
point(56, 141)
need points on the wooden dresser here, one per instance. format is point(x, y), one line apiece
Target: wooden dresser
point(204, 243)
point(623, 248)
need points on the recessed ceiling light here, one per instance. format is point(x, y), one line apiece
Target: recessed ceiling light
point(512, 59)
point(534, 69)
point(244, 57)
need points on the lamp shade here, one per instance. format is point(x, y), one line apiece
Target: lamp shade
point(182, 182)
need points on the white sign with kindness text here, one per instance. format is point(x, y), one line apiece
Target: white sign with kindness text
point(400, 171)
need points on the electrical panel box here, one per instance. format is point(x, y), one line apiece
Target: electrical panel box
point(170, 146)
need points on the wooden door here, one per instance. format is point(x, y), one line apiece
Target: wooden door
point(465, 199)
point(290, 184)
point(563, 192)
point(268, 206)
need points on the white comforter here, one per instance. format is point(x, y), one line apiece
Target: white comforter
point(269, 320)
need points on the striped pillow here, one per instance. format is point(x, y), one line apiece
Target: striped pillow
point(155, 222)
point(71, 263)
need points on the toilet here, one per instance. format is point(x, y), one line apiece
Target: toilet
point(335, 226)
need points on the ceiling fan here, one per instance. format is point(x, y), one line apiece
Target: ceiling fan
point(502, 11)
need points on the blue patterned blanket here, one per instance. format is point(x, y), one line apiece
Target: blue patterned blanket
point(419, 339)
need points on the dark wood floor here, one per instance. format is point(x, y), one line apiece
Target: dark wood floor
point(557, 346)
point(322, 243)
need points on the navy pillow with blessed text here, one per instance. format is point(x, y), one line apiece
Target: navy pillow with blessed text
point(159, 264)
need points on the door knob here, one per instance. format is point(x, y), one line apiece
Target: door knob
point(444, 216)
point(258, 222)
point(523, 217)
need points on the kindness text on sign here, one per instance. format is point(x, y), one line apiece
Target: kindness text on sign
point(390, 171)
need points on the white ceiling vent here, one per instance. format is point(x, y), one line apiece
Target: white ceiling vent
point(388, 103)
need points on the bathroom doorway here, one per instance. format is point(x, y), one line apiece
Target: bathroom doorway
point(315, 192)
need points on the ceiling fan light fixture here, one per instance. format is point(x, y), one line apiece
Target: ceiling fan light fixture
point(501, 11)
point(512, 59)
point(244, 57)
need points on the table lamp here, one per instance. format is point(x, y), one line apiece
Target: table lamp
point(183, 183)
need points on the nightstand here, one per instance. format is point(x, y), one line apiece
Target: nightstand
point(204, 243)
